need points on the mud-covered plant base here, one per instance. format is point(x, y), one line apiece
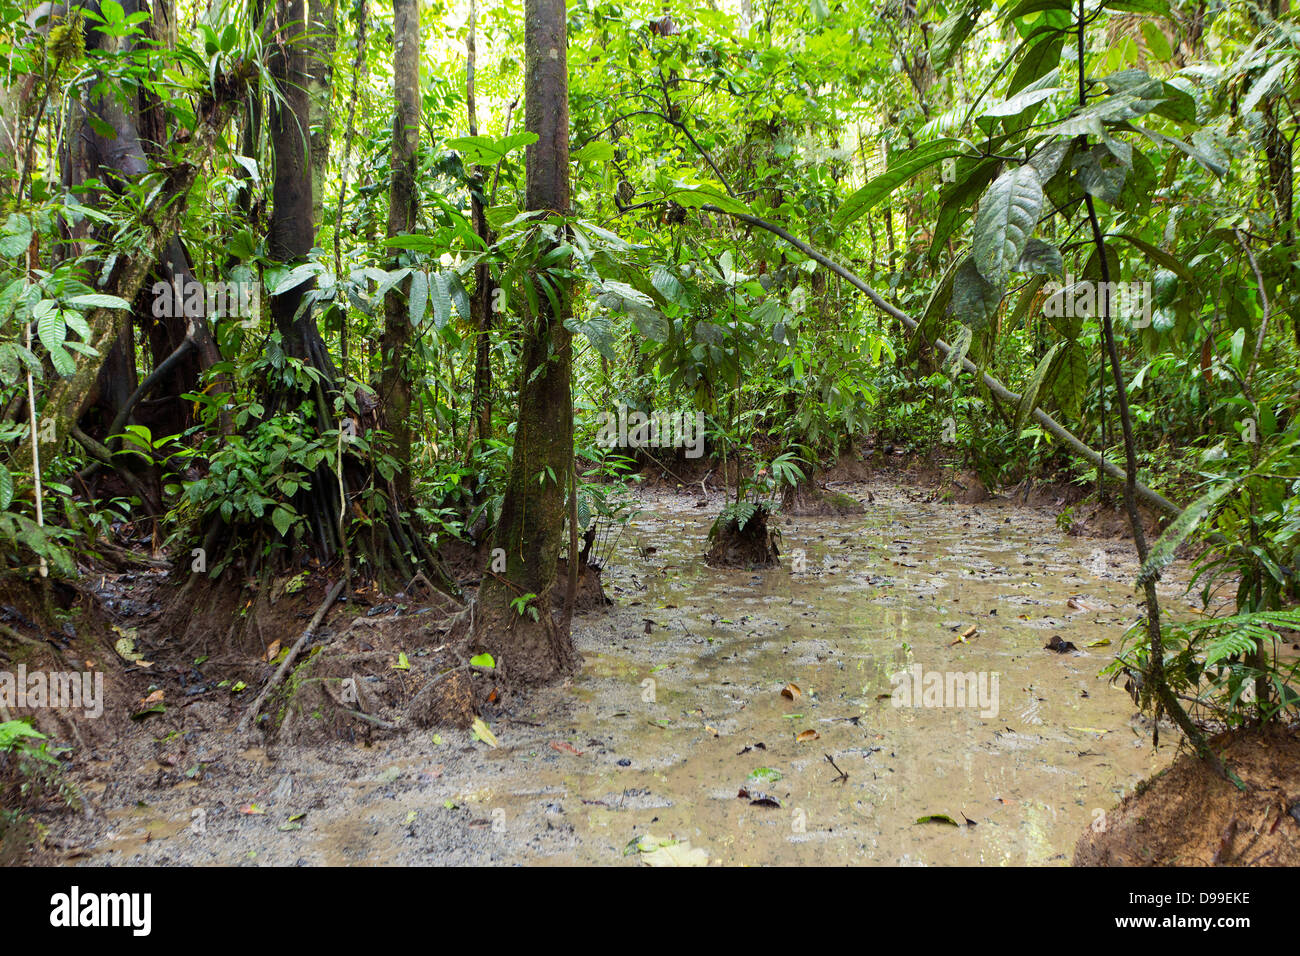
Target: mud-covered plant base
point(741, 538)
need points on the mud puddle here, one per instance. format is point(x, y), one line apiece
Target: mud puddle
point(1011, 750)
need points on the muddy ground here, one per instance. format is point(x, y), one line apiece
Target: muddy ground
point(678, 710)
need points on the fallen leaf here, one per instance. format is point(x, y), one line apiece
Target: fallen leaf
point(564, 748)
point(938, 818)
point(272, 650)
point(657, 852)
point(807, 735)
point(402, 663)
point(1103, 642)
point(125, 648)
point(481, 732)
point(791, 692)
point(251, 809)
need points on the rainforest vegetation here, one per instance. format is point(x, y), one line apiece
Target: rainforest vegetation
point(346, 302)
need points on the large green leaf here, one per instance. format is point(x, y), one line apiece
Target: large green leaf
point(959, 346)
point(16, 236)
point(1165, 549)
point(1007, 216)
point(1034, 387)
point(1041, 258)
point(974, 298)
point(418, 296)
point(599, 332)
point(951, 34)
point(98, 300)
point(489, 150)
point(899, 172)
point(1070, 383)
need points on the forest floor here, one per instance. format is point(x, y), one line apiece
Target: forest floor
point(676, 727)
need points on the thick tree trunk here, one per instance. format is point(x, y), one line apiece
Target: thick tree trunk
point(291, 231)
point(481, 304)
point(396, 374)
point(322, 39)
point(530, 645)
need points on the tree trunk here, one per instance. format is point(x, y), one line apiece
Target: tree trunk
point(322, 39)
point(530, 645)
point(402, 197)
point(481, 304)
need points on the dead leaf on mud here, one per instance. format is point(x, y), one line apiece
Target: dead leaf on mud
point(791, 692)
point(758, 799)
point(807, 735)
point(564, 748)
point(251, 809)
point(657, 852)
point(154, 698)
point(1058, 645)
point(480, 731)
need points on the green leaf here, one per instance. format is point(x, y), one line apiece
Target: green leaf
point(598, 151)
point(1070, 383)
point(974, 299)
point(1007, 216)
point(98, 300)
point(1041, 258)
point(483, 660)
point(1265, 85)
point(418, 296)
point(879, 188)
point(426, 244)
point(958, 348)
point(599, 332)
point(16, 236)
point(1029, 400)
point(50, 327)
point(488, 150)
point(1165, 549)
point(6, 488)
point(951, 34)
point(440, 296)
point(1022, 101)
point(282, 518)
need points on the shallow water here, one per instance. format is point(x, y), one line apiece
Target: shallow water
point(1029, 767)
point(678, 708)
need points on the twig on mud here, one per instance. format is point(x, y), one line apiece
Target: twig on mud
point(289, 658)
point(842, 775)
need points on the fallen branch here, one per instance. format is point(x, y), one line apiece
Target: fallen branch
point(289, 658)
point(1001, 392)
